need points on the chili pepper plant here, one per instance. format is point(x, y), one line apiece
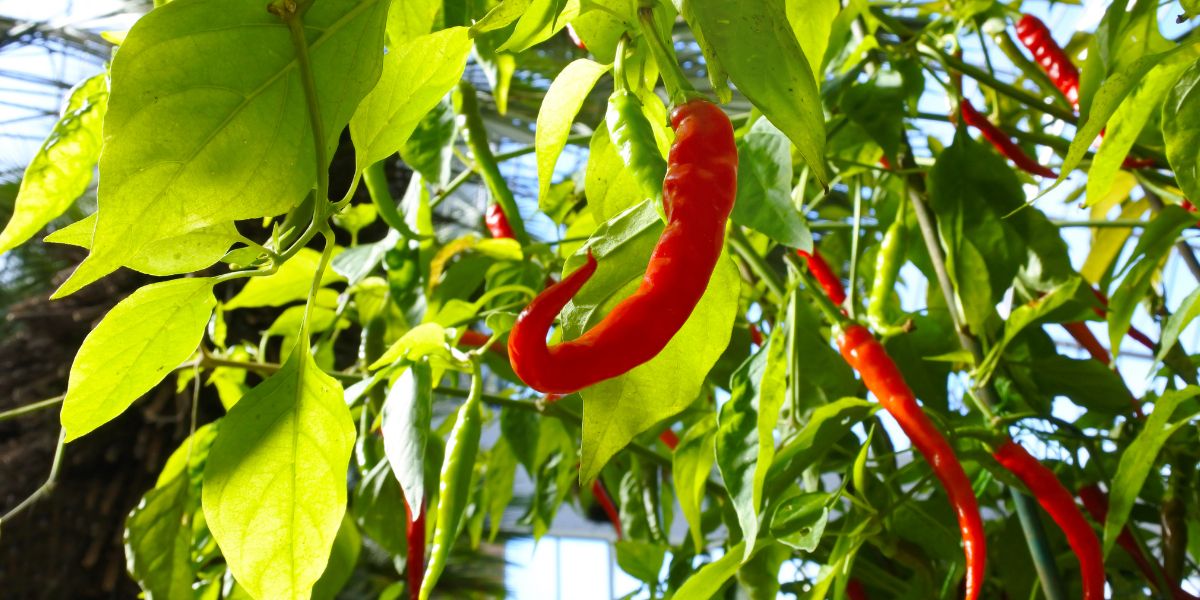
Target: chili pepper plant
point(760, 302)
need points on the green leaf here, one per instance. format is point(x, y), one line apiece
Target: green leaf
point(416, 76)
point(553, 476)
point(759, 576)
point(290, 283)
point(1127, 123)
point(812, 22)
point(429, 148)
point(1023, 316)
point(407, 19)
point(800, 521)
point(501, 16)
point(346, 547)
point(828, 424)
point(136, 345)
point(712, 577)
point(501, 473)
point(426, 339)
point(1181, 130)
point(615, 410)
point(62, 168)
point(378, 508)
point(1087, 382)
point(355, 264)
point(642, 560)
point(275, 484)
point(759, 50)
point(745, 444)
point(877, 105)
point(191, 251)
point(764, 187)
point(1139, 458)
point(158, 540)
point(610, 187)
point(521, 430)
point(1179, 320)
point(559, 107)
point(692, 462)
point(542, 19)
point(224, 134)
point(1152, 247)
point(406, 415)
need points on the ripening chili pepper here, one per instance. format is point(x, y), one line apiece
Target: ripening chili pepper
point(1035, 36)
point(756, 337)
point(496, 222)
point(414, 532)
point(454, 483)
point(893, 250)
point(698, 194)
point(1060, 505)
point(824, 275)
point(606, 503)
point(486, 164)
point(1136, 334)
point(1002, 143)
point(669, 439)
point(867, 356)
point(1084, 336)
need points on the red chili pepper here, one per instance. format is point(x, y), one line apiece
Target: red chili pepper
point(575, 39)
point(1188, 206)
point(414, 532)
point(497, 223)
point(1058, 502)
point(856, 591)
point(756, 337)
point(669, 439)
point(606, 503)
point(1137, 163)
point(1087, 339)
point(476, 339)
point(1095, 501)
point(825, 276)
point(885, 163)
point(1036, 37)
point(1002, 143)
point(867, 356)
point(698, 195)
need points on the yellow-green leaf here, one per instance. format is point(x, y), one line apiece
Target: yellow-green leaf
point(191, 251)
point(290, 283)
point(559, 107)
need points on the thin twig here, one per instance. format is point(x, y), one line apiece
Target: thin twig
point(30, 408)
point(46, 487)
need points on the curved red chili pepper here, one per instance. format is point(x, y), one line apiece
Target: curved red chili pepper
point(866, 355)
point(824, 275)
point(1036, 37)
point(1095, 501)
point(1060, 505)
point(414, 533)
point(1002, 143)
point(496, 222)
point(698, 195)
point(606, 503)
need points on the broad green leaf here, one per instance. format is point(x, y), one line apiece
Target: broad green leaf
point(158, 540)
point(408, 19)
point(355, 264)
point(877, 105)
point(615, 410)
point(1108, 242)
point(745, 443)
point(406, 415)
point(62, 168)
point(342, 559)
point(521, 431)
point(137, 344)
point(498, 484)
point(1140, 457)
point(1127, 123)
point(1088, 383)
point(1024, 316)
point(764, 187)
point(1181, 130)
point(691, 464)
point(416, 76)
point(290, 283)
point(224, 133)
point(190, 455)
point(828, 424)
point(378, 508)
point(275, 484)
point(431, 144)
point(559, 107)
point(191, 251)
point(1179, 320)
point(501, 16)
point(423, 340)
point(642, 560)
point(1152, 247)
point(759, 577)
point(609, 186)
point(812, 22)
point(764, 60)
point(355, 217)
point(712, 577)
point(553, 475)
point(1104, 103)
point(800, 521)
point(542, 19)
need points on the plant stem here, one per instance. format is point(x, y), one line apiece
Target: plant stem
point(676, 81)
point(30, 408)
point(769, 277)
point(308, 82)
point(485, 161)
point(46, 487)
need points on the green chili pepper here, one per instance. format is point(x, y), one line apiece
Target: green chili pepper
point(375, 176)
point(486, 163)
point(892, 252)
point(454, 487)
point(632, 135)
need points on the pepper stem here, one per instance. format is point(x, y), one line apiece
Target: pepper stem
point(678, 86)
